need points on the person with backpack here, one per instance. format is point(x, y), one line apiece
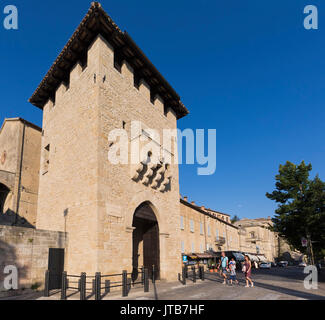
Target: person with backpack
point(224, 266)
point(247, 269)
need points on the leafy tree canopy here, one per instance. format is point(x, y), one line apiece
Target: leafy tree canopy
point(301, 207)
point(234, 219)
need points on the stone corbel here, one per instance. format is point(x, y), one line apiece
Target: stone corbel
point(168, 176)
point(149, 173)
point(158, 177)
point(138, 171)
point(129, 229)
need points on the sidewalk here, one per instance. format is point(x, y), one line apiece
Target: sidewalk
point(136, 293)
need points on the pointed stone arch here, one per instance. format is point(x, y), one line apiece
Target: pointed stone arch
point(145, 240)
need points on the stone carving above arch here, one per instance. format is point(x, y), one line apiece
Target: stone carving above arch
point(157, 176)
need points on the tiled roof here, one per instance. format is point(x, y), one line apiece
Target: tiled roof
point(94, 23)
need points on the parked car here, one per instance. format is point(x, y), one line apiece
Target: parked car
point(302, 264)
point(265, 265)
point(273, 264)
point(283, 264)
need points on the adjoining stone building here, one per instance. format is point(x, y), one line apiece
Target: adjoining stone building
point(20, 146)
point(256, 237)
point(203, 230)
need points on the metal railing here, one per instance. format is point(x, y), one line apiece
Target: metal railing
point(195, 272)
point(126, 279)
point(99, 282)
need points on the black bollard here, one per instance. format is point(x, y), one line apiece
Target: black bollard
point(83, 286)
point(184, 275)
point(124, 283)
point(64, 286)
point(146, 280)
point(194, 274)
point(98, 286)
point(153, 274)
point(47, 284)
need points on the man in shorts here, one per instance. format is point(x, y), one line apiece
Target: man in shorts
point(224, 266)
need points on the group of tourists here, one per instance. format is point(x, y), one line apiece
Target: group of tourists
point(225, 266)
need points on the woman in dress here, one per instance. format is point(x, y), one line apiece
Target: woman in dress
point(248, 272)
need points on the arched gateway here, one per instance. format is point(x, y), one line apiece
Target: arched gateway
point(146, 250)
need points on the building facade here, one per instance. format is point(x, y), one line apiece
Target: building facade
point(20, 143)
point(202, 230)
point(256, 237)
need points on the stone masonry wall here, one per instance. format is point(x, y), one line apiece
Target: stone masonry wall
point(119, 196)
point(27, 249)
point(207, 230)
point(20, 153)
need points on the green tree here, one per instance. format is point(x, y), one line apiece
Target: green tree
point(301, 207)
point(234, 219)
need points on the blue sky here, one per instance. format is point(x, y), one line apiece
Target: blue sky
point(245, 68)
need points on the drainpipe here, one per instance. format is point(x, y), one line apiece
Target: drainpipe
point(20, 171)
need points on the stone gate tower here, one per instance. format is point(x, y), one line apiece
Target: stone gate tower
point(117, 216)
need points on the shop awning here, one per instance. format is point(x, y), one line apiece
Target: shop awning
point(262, 258)
point(252, 257)
point(204, 255)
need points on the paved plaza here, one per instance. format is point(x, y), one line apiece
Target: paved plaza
point(273, 284)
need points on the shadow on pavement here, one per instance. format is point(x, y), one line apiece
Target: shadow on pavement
point(294, 273)
point(291, 292)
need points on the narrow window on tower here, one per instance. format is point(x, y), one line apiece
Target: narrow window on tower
point(117, 61)
point(46, 159)
point(84, 61)
point(166, 110)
